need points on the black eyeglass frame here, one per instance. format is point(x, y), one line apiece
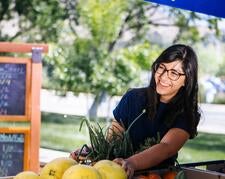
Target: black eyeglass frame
point(156, 66)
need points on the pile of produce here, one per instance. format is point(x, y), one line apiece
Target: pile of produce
point(67, 168)
point(169, 174)
point(97, 163)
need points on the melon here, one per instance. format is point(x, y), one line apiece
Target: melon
point(55, 168)
point(110, 170)
point(26, 175)
point(81, 171)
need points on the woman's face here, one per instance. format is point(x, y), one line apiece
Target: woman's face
point(169, 78)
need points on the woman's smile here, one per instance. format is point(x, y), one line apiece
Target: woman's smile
point(163, 84)
point(166, 87)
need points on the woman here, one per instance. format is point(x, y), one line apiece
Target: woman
point(168, 108)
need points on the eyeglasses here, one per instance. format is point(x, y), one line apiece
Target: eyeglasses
point(171, 74)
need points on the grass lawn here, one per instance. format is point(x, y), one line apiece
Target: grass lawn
point(61, 132)
point(204, 147)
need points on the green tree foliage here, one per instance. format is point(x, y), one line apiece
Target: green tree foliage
point(142, 55)
point(31, 20)
point(100, 46)
point(103, 19)
point(221, 70)
point(209, 60)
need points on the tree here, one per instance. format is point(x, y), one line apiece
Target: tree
point(93, 53)
point(102, 60)
point(32, 20)
point(221, 72)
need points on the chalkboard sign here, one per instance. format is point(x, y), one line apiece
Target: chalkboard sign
point(12, 88)
point(11, 153)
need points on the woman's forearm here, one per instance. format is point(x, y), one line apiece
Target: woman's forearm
point(169, 146)
point(152, 156)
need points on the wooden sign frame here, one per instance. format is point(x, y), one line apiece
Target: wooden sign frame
point(26, 132)
point(33, 90)
point(27, 62)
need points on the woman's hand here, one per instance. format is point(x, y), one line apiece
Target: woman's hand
point(126, 165)
point(80, 152)
point(74, 154)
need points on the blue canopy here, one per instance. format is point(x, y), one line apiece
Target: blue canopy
point(210, 7)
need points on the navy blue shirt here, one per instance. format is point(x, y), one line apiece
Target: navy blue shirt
point(131, 106)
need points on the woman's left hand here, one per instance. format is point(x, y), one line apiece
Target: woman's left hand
point(126, 165)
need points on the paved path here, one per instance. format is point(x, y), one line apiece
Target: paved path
point(46, 155)
point(213, 119)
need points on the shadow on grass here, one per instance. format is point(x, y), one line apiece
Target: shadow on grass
point(207, 142)
point(64, 119)
point(60, 118)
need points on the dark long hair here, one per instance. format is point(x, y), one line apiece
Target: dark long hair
point(186, 100)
